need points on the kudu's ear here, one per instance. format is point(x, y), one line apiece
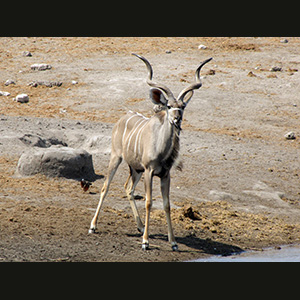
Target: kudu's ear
point(188, 97)
point(157, 96)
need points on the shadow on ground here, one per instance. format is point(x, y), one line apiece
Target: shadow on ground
point(204, 245)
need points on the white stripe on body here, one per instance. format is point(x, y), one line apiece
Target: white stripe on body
point(126, 127)
point(136, 126)
point(138, 138)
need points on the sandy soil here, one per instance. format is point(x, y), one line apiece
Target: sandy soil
point(239, 188)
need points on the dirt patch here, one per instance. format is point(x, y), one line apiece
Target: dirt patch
point(239, 187)
point(46, 231)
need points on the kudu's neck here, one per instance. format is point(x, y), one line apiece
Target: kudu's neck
point(167, 140)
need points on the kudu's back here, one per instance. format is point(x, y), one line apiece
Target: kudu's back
point(143, 142)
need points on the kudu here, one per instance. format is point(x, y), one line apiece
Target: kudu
point(149, 146)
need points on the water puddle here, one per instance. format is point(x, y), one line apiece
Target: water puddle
point(288, 253)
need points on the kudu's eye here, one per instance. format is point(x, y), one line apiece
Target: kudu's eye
point(168, 106)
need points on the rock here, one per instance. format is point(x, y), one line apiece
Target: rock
point(276, 69)
point(74, 82)
point(22, 98)
point(284, 41)
point(9, 81)
point(4, 93)
point(33, 140)
point(222, 84)
point(57, 162)
point(291, 70)
point(41, 67)
point(98, 144)
point(260, 186)
point(45, 83)
point(221, 196)
point(267, 195)
point(290, 135)
point(251, 74)
point(168, 51)
point(202, 47)
point(211, 72)
point(27, 53)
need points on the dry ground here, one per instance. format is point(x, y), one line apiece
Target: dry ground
point(239, 188)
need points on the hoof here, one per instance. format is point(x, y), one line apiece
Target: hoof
point(92, 230)
point(175, 247)
point(145, 246)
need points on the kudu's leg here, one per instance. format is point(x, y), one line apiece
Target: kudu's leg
point(165, 189)
point(148, 177)
point(130, 187)
point(112, 168)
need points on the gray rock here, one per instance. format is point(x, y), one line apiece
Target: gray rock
point(221, 196)
point(45, 83)
point(290, 135)
point(27, 53)
point(260, 186)
point(276, 69)
point(33, 140)
point(22, 98)
point(98, 144)
point(41, 67)
point(268, 196)
point(4, 93)
point(57, 162)
point(9, 81)
point(202, 47)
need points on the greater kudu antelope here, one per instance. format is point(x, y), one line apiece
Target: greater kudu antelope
point(149, 146)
